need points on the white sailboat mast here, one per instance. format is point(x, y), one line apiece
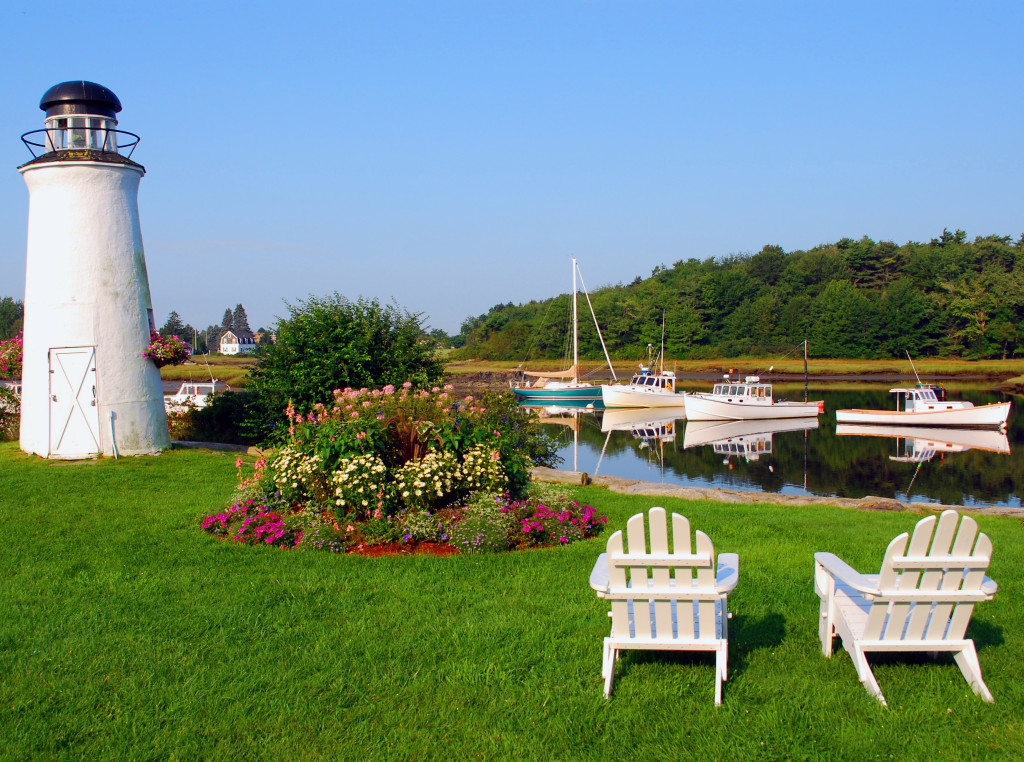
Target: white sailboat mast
point(575, 330)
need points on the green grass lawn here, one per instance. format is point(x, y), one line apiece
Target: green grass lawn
point(127, 633)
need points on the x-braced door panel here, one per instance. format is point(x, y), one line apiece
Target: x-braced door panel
point(74, 416)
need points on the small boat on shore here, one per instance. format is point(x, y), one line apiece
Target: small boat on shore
point(745, 400)
point(920, 406)
point(190, 394)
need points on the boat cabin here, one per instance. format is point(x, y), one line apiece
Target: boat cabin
point(751, 389)
point(192, 389)
point(194, 393)
point(664, 380)
point(920, 399)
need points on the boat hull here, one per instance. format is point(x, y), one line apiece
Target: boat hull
point(981, 417)
point(700, 407)
point(559, 394)
point(628, 395)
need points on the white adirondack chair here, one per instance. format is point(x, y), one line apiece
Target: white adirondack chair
point(681, 605)
point(920, 601)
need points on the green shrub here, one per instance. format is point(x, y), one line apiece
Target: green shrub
point(220, 421)
point(330, 343)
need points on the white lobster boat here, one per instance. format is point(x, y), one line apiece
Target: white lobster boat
point(190, 394)
point(748, 400)
point(645, 389)
point(921, 406)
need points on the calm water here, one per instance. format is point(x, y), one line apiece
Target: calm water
point(955, 467)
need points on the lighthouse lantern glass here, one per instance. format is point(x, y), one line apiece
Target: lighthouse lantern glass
point(81, 133)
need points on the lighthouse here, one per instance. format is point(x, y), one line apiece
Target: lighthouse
point(87, 389)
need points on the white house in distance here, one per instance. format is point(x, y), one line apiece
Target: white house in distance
point(237, 342)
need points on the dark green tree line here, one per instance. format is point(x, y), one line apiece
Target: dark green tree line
point(851, 298)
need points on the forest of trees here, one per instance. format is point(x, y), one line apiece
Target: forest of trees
point(856, 299)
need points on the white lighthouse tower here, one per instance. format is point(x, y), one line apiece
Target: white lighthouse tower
point(86, 387)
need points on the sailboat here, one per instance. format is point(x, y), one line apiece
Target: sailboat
point(565, 386)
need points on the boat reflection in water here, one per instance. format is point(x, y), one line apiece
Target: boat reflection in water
point(568, 415)
point(959, 465)
point(746, 439)
point(652, 426)
point(918, 444)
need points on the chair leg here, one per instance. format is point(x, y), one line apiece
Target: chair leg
point(865, 674)
point(826, 630)
point(720, 659)
point(608, 668)
point(825, 587)
point(967, 660)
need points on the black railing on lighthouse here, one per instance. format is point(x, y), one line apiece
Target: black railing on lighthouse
point(79, 139)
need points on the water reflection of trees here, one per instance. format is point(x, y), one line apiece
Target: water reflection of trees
point(847, 466)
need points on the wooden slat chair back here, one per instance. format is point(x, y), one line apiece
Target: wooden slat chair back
point(665, 597)
point(921, 600)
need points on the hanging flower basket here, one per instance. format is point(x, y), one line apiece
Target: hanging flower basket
point(163, 351)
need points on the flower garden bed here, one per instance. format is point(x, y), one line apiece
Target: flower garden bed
point(395, 471)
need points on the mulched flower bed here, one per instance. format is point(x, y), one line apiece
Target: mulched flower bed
point(405, 549)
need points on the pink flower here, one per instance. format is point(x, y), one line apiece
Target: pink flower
point(407, 385)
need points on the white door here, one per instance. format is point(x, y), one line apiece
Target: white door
point(74, 416)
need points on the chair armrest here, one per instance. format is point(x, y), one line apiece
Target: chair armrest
point(841, 570)
point(728, 572)
point(989, 586)
point(599, 580)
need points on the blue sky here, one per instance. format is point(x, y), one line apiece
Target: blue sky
point(454, 155)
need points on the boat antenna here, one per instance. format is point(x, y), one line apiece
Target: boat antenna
point(912, 367)
point(662, 346)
